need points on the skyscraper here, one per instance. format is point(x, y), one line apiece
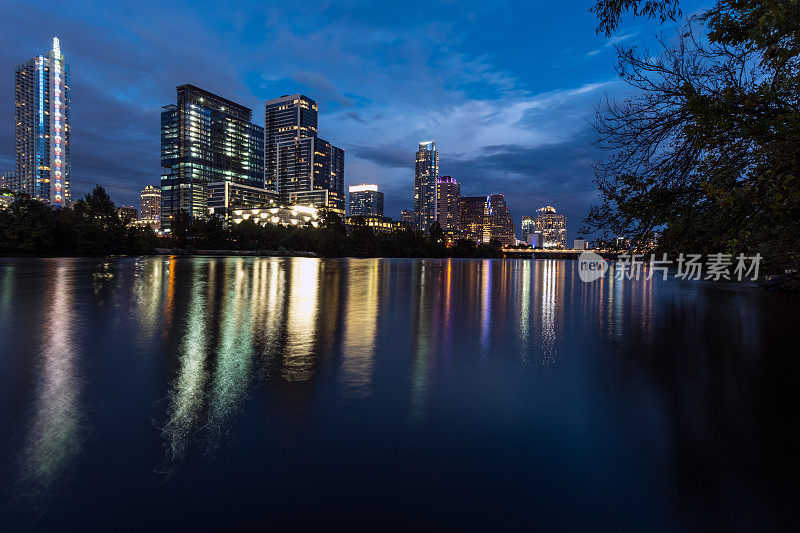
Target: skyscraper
point(300, 166)
point(484, 218)
point(42, 113)
point(500, 225)
point(473, 217)
point(552, 226)
point(205, 138)
point(426, 175)
point(365, 200)
point(150, 208)
point(449, 203)
point(528, 223)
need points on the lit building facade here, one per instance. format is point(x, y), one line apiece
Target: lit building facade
point(473, 217)
point(527, 226)
point(293, 215)
point(42, 119)
point(552, 227)
point(484, 218)
point(426, 176)
point(9, 180)
point(364, 200)
point(150, 207)
point(448, 199)
point(128, 214)
point(378, 223)
point(301, 167)
point(407, 217)
point(499, 224)
point(205, 139)
point(224, 196)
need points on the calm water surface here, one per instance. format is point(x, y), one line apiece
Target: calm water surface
point(197, 393)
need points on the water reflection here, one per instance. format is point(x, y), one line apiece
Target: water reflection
point(360, 328)
point(186, 396)
point(301, 323)
point(55, 434)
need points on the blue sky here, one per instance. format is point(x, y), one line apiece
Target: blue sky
point(505, 88)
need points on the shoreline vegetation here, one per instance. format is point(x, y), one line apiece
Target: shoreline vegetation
point(92, 227)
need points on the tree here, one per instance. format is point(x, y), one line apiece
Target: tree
point(708, 149)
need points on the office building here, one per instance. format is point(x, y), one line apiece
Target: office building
point(301, 167)
point(224, 196)
point(579, 244)
point(473, 213)
point(426, 175)
point(365, 200)
point(9, 181)
point(205, 139)
point(527, 226)
point(552, 227)
point(42, 119)
point(407, 217)
point(150, 207)
point(499, 224)
point(127, 214)
point(449, 203)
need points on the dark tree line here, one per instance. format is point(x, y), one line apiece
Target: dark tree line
point(92, 227)
point(707, 151)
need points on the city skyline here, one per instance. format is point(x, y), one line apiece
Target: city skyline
point(500, 125)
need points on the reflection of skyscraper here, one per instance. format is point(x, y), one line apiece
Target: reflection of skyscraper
point(360, 327)
point(449, 203)
point(426, 175)
point(205, 138)
point(42, 113)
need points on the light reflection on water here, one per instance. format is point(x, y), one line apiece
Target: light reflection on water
point(54, 436)
point(287, 364)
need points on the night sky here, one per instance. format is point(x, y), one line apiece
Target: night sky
point(504, 88)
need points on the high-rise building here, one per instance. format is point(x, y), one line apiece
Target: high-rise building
point(150, 207)
point(528, 224)
point(127, 214)
point(365, 200)
point(9, 180)
point(206, 138)
point(407, 218)
point(484, 218)
point(449, 203)
point(426, 175)
point(552, 227)
point(42, 113)
point(303, 168)
point(500, 225)
point(473, 217)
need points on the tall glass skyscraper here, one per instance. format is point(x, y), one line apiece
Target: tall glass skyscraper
point(42, 113)
point(426, 176)
point(206, 138)
point(449, 203)
point(300, 166)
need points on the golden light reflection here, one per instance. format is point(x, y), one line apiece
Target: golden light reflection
point(301, 321)
point(186, 396)
point(360, 328)
point(54, 439)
